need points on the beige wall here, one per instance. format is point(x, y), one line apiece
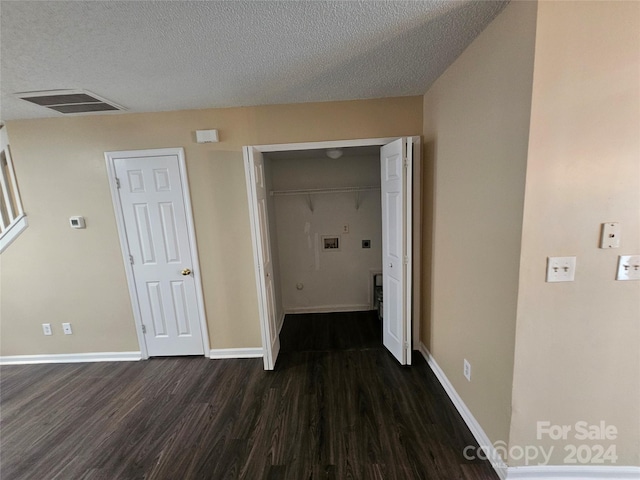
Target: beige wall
point(578, 344)
point(55, 274)
point(476, 124)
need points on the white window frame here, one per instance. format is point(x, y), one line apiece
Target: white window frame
point(16, 221)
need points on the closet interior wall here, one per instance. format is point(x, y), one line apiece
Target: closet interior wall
point(305, 209)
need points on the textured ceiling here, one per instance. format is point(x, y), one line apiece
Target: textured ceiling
point(172, 55)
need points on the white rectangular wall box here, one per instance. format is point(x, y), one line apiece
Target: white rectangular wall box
point(561, 269)
point(610, 237)
point(207, 136)
point(628, 267)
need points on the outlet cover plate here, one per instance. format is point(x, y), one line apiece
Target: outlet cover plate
point(628, 267)
point(610, 237)
point(561, 269)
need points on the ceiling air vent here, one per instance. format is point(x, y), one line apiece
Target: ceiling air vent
point(70, 102)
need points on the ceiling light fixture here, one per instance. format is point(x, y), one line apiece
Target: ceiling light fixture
point(334, 153)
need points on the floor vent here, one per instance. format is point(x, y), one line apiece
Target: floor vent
point(70, 102)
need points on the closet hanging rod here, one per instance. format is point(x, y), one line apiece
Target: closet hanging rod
point(314, 191)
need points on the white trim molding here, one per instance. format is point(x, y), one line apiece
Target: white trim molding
point(71, 358)
point(18, 226)
point(479, 434)
point(220, 353)
point(14, 216)
point(328, 309)
point(571, 472)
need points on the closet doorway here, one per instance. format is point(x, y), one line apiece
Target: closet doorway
point(395, 186)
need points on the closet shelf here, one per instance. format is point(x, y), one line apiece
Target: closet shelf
point(319, 191)
point(314, 191)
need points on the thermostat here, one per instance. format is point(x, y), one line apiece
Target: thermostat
point(77, 222)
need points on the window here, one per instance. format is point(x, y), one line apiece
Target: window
point(13, 221)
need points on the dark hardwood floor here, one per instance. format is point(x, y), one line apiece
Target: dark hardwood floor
point(331, 332)
point(338, 406)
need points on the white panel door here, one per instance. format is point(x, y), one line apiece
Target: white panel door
point(157, 233)
point(396, 248)
point(262, 251)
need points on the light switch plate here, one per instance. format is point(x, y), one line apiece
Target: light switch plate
point(561, 269)
point(628, 267)
point(610, 237)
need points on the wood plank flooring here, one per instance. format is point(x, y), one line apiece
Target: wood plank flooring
point(331, 410)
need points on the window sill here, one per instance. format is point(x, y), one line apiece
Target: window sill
point(15, 229)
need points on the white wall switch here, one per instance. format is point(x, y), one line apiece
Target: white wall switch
point(46, 329)
point(628, 267)
point(610, 237)
point(66, 328)
point(561, 269)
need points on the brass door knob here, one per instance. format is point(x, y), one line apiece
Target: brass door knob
point(186, 271)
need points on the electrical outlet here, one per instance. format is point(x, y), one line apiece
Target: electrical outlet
point(46, 329)
point(345, 228)
point(561, 269)
point(467, 369)
point(628, 267)
point(66, 328)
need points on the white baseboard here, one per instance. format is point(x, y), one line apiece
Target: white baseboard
point(71, 358)
point(571, 472)
point(219, 353)
point(329, 309)
point(481, 437)
point(537, 472)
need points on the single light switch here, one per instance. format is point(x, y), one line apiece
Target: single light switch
point(610, 235)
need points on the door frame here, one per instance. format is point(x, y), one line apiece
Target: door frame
point(110, 158)
point(416, 215)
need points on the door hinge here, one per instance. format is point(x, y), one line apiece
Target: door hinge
point(406, 260)
point(406, 162)
point(117, 182)
point(144, 329)
point(131, 259)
